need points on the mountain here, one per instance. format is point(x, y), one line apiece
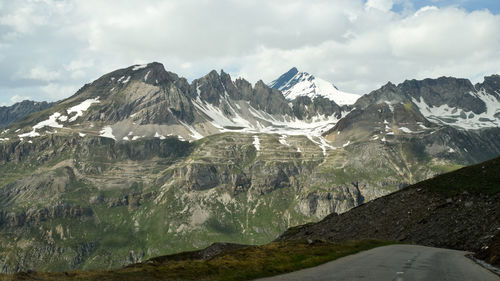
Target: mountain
point(457, 210)
point(147, 101)
point(17, 111)
point(141, 163)
point(295, 84)
point(448, 116)
point(446, 100)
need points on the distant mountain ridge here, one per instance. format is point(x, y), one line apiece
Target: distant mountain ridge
point(17, 111)
point(295, 84)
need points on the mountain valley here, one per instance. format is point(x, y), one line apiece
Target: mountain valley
point(141, 163)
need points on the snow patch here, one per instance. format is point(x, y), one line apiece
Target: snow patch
point(124, 80)
point(256, 142)
point(452, 116)
point(107, 132)
point(159, 136)
point(82, 134)
point(391, 107)
point(422, 125)
point(406, 130)
point(282, 140)
point(81, 108)
point(193, 131)
point(146, 76)
point(346, 144)
point(51, 122)
point(31, 134)
point(139, 66)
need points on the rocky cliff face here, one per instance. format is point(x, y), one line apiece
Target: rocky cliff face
point(141, 163)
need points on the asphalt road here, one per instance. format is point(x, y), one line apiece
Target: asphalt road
point(397, 263)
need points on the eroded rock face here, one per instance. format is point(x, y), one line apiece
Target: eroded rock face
point(33, 217)
point(305, 108)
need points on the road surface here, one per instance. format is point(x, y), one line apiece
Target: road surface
point(397, 263)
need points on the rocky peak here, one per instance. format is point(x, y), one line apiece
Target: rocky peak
point(454, 92)
point(281, 82)
point(210, 87)
point(305, 108)
point(294, 84)
point(491, 84)
point(389, 92)
point(445, 100)
point(269, 100)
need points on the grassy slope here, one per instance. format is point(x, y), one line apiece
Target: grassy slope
point(242, 264)
point(476, 179)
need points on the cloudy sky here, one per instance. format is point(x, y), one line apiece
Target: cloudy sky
point(50, 48)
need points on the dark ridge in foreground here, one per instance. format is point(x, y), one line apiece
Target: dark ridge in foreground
point(458, 210)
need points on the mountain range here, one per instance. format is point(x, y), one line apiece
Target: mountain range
point(141, 162)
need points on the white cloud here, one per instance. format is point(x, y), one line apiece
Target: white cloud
point(358, 45)
point(18, 98)
point(383, 5)
point(43, 74)
point(58, 91)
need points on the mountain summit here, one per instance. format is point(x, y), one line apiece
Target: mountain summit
point(294, 83)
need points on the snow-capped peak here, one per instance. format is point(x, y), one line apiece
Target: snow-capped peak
point(295, 83)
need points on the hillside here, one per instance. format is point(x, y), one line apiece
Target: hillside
point(458, 210)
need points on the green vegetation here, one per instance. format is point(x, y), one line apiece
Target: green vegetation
point(139, 199)
point(242, 264)
point(481, 178)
